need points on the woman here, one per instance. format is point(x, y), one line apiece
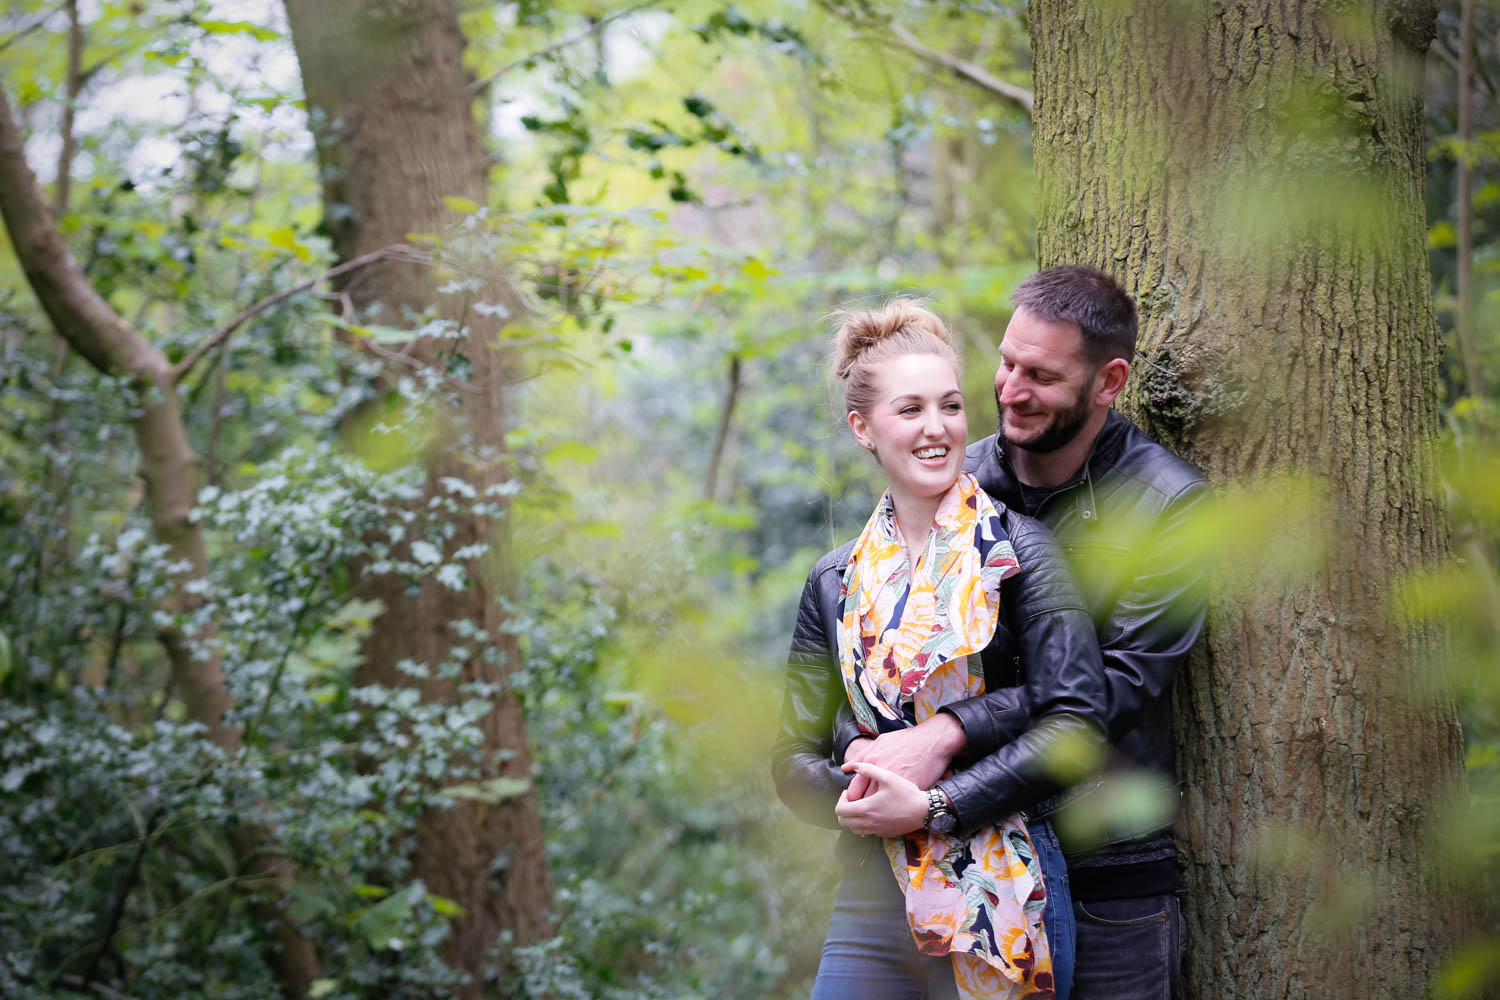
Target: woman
point(949, 901)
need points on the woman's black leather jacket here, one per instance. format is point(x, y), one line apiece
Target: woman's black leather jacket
point(1044, 641)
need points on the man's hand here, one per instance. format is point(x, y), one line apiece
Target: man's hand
point(921, 754)
point(890, 807)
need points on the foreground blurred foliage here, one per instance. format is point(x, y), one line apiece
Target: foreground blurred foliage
point(683, 193)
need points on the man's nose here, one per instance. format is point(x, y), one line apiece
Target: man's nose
point(1010, 388)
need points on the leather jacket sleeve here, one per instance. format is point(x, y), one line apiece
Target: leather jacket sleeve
point(1158, 617)
point(1064, 690)
point(807, 778)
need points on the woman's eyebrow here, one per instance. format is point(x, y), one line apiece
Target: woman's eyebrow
point(917, 397)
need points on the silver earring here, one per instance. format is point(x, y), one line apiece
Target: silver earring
point(869, 445)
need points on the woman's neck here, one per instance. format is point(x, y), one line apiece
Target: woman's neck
point(914, 516)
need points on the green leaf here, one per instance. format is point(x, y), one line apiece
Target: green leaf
point(447, 907)
point(489, 792)
point(259, 32)
point(285, 238)
point(308, 904)
point(321, 987)
point(381, 923)
point(463, 206)
point(756, 271)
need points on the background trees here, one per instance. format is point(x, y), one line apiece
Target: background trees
point(570, 455)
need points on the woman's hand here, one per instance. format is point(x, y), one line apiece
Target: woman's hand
point(890, 806)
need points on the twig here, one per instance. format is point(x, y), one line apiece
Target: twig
point(40, 20)
point(598, 26)
point(291, 644)
point(81, 983)
point(395, 251)
point(1020, 97)
point(117, 911)
point(721, 435)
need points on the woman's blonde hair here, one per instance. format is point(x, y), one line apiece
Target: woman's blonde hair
point(867, 338)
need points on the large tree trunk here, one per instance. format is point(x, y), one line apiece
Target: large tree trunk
point(1253, 175)
point(170, 471)
point(396, 135)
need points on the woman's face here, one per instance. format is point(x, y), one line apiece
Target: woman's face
point(917, 425)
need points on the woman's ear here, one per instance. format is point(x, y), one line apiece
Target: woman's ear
point(861, 429)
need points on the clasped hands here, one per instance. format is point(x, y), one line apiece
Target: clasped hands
point(892, 772)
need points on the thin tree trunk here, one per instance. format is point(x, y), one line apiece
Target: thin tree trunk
point(72, 87)
point(1464, 209)
point(170, 471)
point(1252, 173)
point(721, 434)
point(387, 79)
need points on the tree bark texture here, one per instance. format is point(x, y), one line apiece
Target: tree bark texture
point(1252, 174)
point(391, 107)
point(170, 470)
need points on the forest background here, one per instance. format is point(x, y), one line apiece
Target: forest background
point(346, 664)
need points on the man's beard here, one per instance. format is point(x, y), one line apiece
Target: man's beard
point(1062, 428)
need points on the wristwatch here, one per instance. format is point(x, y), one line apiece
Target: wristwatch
point(940, 815)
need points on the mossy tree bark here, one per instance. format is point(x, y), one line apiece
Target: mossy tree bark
point(1252, 173)
point(392, 113)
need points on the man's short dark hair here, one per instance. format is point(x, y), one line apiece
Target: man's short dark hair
point(1088, 297)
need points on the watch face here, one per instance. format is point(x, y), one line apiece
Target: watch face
point(942, 822)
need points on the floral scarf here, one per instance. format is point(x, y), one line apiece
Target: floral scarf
point(904, 642)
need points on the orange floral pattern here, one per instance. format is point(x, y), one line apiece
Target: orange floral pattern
point(905, 642)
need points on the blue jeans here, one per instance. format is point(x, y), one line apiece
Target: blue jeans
point(1129, 949)
point(869, 953)
point(1057, 918)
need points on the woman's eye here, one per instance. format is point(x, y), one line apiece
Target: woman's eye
point(910, 410)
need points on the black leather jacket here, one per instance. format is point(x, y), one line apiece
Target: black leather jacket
point(1122, 523)
point(1044, 641)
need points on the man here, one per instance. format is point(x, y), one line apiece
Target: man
point(1119, 503)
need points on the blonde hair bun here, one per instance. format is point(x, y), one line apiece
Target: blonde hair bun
point(864, 329)
point(866, 338)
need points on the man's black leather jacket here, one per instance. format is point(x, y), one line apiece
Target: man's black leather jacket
point(1125, 522)
point(1044, 641)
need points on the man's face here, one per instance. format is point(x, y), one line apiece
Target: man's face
point(1044, 386)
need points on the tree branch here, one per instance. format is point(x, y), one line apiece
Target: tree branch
point(978, 76)
point(36, 23)
point(721, 435)
point(593, 29)
point(81, 316)
point(395, 250)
